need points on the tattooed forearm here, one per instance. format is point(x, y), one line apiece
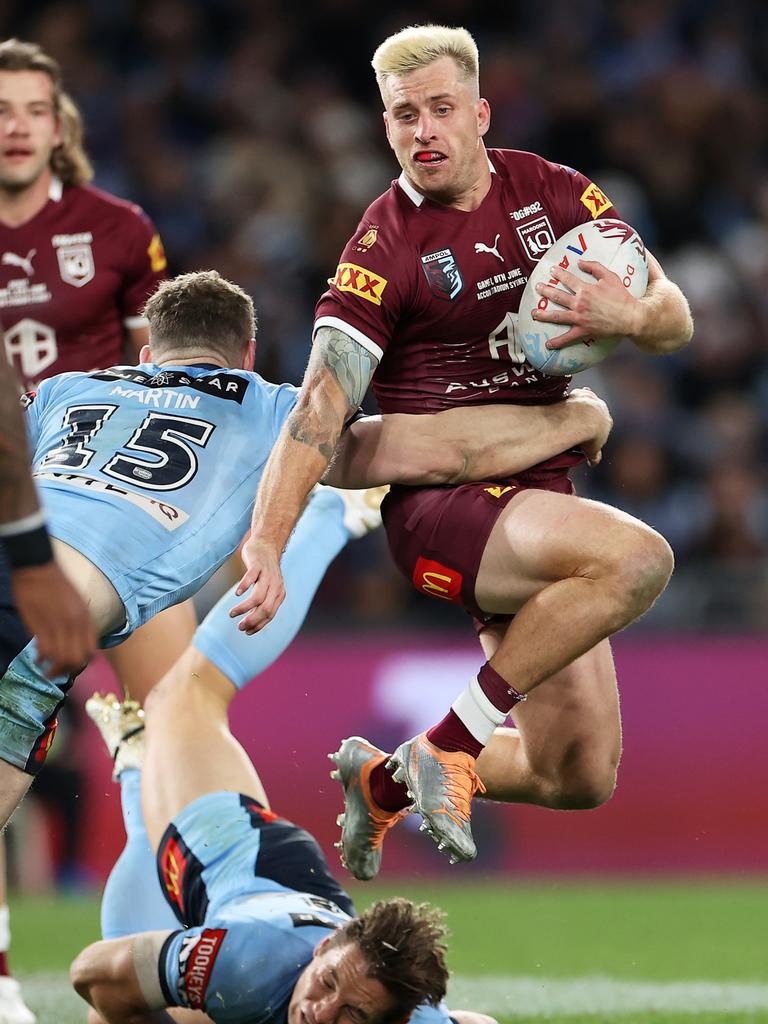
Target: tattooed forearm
point(321, 437)
point(17, 492)
point(337, 361)
point(350, 363)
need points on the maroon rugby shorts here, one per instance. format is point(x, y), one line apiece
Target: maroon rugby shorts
point(437, 535)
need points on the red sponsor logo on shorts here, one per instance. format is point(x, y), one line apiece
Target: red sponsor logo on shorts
point(173, 863)
point(199, 964)
point(436, 580)
point(44, 743)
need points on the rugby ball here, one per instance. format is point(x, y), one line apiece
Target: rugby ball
point(611, 242)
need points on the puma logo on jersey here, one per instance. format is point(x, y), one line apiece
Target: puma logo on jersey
point(493, 249)
point(10, 259)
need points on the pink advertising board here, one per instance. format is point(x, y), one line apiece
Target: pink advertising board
point(692, 783)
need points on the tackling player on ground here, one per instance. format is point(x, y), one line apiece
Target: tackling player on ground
point(262, 930)
point(423, 303)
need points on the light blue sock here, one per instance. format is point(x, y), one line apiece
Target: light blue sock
point(133, 900)
point(319, 536)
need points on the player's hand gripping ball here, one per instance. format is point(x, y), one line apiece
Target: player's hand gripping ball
point(611, 242)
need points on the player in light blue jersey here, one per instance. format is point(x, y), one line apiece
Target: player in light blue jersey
point(146, 474)
point(262, 930)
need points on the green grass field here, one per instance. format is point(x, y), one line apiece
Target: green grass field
point(559, 951)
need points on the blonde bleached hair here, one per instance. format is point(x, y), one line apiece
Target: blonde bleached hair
point(419, 45)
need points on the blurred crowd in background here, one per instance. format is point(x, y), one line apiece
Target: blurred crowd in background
point(251, 133)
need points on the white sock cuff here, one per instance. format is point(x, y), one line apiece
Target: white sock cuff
point(477, 713)
point(489, 709)
point(5, 929)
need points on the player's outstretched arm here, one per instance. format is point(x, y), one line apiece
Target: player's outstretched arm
point(659, 323)
point(104, 974)
point(483, 442)
point(49, 605)
point(335, 383)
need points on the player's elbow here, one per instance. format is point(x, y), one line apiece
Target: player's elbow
point(83, 973)
point(97, 975)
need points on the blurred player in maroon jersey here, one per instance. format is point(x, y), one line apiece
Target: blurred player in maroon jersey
point(424, 303)
point(76, 266)
point(48, 604)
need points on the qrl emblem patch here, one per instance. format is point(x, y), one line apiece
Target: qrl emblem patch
point(76, 264)
point(595, 200)
point(197, 956)
point(442, 273)
point(361, 282)
point(437, 580)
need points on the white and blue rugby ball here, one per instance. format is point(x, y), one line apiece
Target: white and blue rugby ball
point(611, 242)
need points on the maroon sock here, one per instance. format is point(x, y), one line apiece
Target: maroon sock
point(453, 734)
point(4, 965)
point(387, 794)
point(496, 688)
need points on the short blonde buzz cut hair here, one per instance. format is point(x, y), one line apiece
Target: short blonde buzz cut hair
point(419, 45)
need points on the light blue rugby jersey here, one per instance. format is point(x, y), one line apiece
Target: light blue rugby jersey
point(242, 965)
point(151, 471)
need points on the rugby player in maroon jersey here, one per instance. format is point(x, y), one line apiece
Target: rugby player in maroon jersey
point(423, 302)
point(48, 604)
point(76, 266)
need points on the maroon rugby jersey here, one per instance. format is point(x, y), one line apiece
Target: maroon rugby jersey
point(73, 278)
point(433, 291)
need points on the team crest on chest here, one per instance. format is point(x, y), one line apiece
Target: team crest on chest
point(75, 256)
point(442, 273)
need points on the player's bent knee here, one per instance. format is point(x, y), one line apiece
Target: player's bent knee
point(638, 571)
point(584, 790)
point(649, 567)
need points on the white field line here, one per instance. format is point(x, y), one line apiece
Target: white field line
point(533, 997)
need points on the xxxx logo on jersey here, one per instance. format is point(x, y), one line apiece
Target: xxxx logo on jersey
point(361, 282)
point(595, 200)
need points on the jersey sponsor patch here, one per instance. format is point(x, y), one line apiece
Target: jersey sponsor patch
point(595, 200)
point(173, 863)
point(156, 253)
point(443, 274)
point(31, 347)
point(197, 956)
point(169, 516)
point(222, 385)
point(537, 236)
point(437, 580)
point(361, 282)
